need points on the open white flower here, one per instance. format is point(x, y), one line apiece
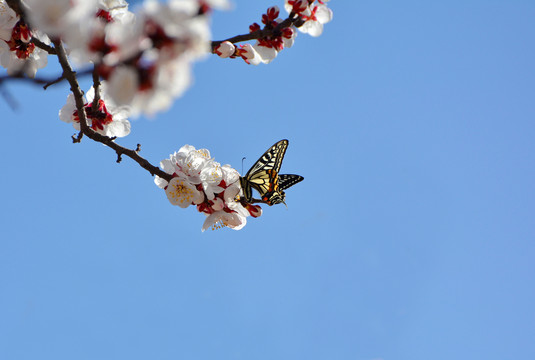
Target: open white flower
point(234, 216)
point(222, 219)
point(182, 193)
point(321, 14)
point(192, 162)
point(107, 119)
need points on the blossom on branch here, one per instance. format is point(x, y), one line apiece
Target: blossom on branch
point(248, 53)
point(225, 49)
point(106, 118)
point(267, 48)
point(200, 180)
point(17, 52)
point(183, 193)
point(276, 33)
point(314, 13)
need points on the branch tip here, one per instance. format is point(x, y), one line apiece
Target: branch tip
point(77, 138)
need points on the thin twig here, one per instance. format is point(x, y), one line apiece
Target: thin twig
point(61, 78)
point(77, 138)
point(46, 82)
point(49, 49)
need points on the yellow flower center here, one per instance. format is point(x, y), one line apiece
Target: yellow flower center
point(181, 193)
point(219, 225)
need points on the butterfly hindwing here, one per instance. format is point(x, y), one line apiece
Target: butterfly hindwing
point(284, 182)
point(287, 180)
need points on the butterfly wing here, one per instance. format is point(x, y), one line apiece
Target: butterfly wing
point(288, 180)
point(285, 181)
point(271, 159)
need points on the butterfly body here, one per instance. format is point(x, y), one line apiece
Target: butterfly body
point(264, 176)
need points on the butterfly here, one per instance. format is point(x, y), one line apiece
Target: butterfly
point(264, 176)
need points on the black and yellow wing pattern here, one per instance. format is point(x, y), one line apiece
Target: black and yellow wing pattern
point(287, 180)
point(264, 176)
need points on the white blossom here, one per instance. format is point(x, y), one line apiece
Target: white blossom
point(234, 220)
point(109, 119)
point(183, 193)
point(56, 18)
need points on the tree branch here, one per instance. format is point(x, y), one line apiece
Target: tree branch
point(261, 34)
point(70, 75)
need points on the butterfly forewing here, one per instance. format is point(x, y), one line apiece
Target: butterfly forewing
point(271, 160)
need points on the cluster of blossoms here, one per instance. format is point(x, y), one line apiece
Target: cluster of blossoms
point(309, 17)
point(214, 189)
point(146, 58)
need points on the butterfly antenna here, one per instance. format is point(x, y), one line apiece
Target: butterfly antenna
point(243, 158)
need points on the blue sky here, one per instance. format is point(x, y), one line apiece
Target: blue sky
point(411, 237)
